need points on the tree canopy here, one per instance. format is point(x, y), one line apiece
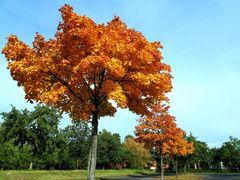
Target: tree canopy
point(87, 64)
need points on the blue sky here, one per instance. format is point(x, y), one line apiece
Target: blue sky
point(201, 42)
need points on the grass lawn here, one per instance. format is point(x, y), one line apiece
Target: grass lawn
point(66, 175)
point(82, 174)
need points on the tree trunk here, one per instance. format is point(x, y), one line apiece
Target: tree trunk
point(199, 165)
point(176, 167)
point(185, 168)
point(195, 166)
point(93, 148)
point(30, 165)
point(161, 162)
point(78, 163)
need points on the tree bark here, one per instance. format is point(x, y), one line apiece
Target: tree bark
point(195, 166)
point(176, 167)
point(161, 162)
point(185, 168)
point(30, 165)
point(93, 148)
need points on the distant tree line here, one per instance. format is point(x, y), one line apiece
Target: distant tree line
point(33, 140)
point(222, 159)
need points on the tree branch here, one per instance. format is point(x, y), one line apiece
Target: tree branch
point(67, 85)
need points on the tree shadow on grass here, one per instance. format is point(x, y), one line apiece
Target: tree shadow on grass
point(141, 176)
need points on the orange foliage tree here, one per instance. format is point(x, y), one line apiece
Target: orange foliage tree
point(159, 130)
point(179, 147)
point(87, 64)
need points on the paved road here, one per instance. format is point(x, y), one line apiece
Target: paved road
point(221, 176)
point(203, 177)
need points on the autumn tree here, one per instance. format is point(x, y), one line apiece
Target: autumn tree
point(159, 131)
point(178, 147)
point(85, 66)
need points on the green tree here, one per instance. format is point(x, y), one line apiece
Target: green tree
point(109, 150)
point(230, 154)
point(8, 155)
point(43, 131)
point(15, 151)
point(15, 126)
point(14, 157)
point(217, 158)
point(78, 141)
point(31, 137)
point(201, 156)
point(62, 144)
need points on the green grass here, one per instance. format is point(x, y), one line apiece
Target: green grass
point(82, 174)
point(66, 175)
